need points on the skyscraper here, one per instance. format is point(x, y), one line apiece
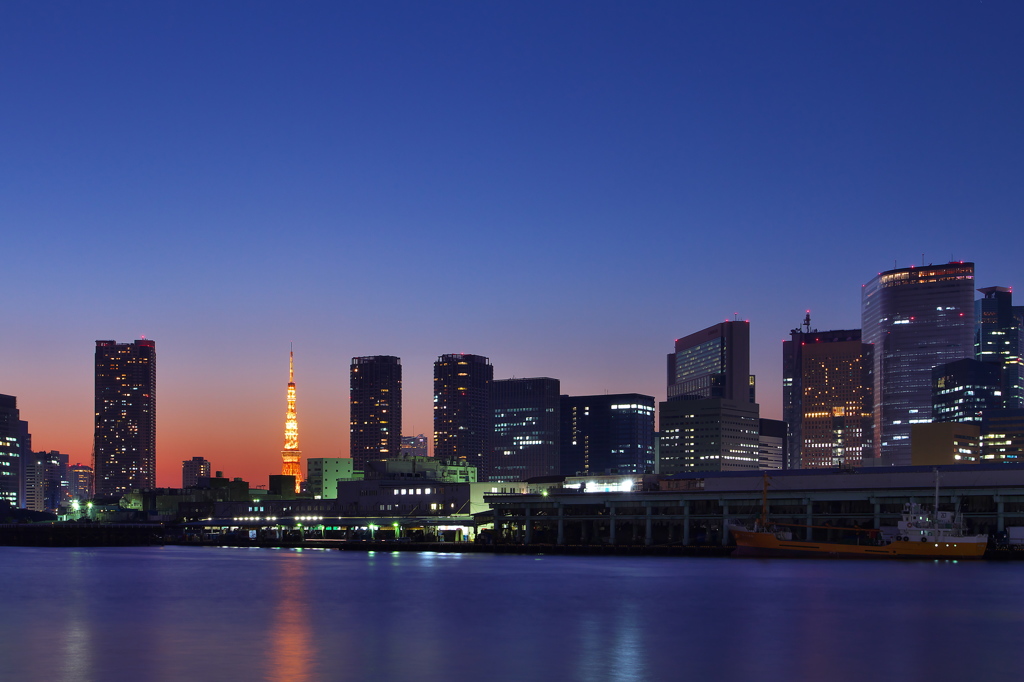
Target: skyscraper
point(999, 340)
point(291, 455)
point(81, 481)
point(375, 408)
point(827, 397)
point(602, 433)
point(963, 389)
point(526, 427)
point(712, 363)
point(916, 318)
point(124, 438)
point(463, 419)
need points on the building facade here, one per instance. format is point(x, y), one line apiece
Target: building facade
point(827, 392)
point(323, 474)
point(375, 408)
point(124, 437)
point(81, 481)
point(415, 446)
point(463, 418)
point(1002, 435)
point(916, 318)
point(192, 470)
point(526, 429)
point(963, 389)
point(607, 434)
point(772, 444)
point(999, 340)
point(712, 363)
point(15, 446)
point(712, 434)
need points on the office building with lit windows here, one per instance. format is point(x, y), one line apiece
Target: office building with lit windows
point(712, 363)
point(81, 481)
point(916, 318)
point(607, 434)
point(999, 340)
point(463, 418)
point(709, 434)
point(963, 389)
point(375, 408)
point(124, 437)
point(526, 429)
point(827, 398)
point(15, 446)
point(1002, 435)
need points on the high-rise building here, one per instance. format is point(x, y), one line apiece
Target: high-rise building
point(33, 482)
point(375, 408)
point(81, 479)
point(291, 455)
point(415, 446)
point(57, 480)
point(709, 434)
point(916, 318)
point(1002, 435)
point(124, 439)
point(463, 419)
point(827, 397)
point(999, 340)
point(607, 433)
point(15, 445)
point(194, 469)
point(526, 429)
point(963, 389)
point(713, 363)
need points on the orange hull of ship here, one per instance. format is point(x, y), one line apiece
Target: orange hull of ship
point(749, 543)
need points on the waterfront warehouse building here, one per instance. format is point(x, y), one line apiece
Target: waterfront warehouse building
point(711, 434)
point(827, 398)
point(463, 418)
point(526, 428)
point(607, 434)
point(712, 363)
point(375, 408)
point(916, 318)
point(124, 437)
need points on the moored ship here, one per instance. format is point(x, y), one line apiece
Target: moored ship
point(920, 535)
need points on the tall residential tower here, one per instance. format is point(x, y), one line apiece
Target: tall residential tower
point(463, 419)
point(124, 438)
point(375, 409)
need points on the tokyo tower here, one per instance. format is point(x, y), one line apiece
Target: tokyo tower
point(291, 455)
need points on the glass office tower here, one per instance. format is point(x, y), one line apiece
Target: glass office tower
point(916, 318)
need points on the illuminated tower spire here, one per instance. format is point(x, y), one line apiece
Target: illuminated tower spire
point(291, 455)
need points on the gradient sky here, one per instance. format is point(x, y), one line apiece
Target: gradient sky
point(563, 187)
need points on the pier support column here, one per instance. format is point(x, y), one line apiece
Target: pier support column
point(649, 533)
point(561, 525)
point(686, 522)
point(725, 523)
point(528, 530)
point(810, 518)
point(1000, 518)
point(611, 523)
point(878, 513)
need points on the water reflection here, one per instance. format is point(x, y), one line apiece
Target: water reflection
point(292, 650)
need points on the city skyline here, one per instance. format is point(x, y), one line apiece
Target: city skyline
point(562, 190)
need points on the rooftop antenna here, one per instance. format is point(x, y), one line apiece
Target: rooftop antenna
point(807, 323)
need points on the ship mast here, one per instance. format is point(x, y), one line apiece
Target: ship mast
point(291, 455)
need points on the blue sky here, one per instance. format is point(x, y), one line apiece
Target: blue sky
point(563, 187)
